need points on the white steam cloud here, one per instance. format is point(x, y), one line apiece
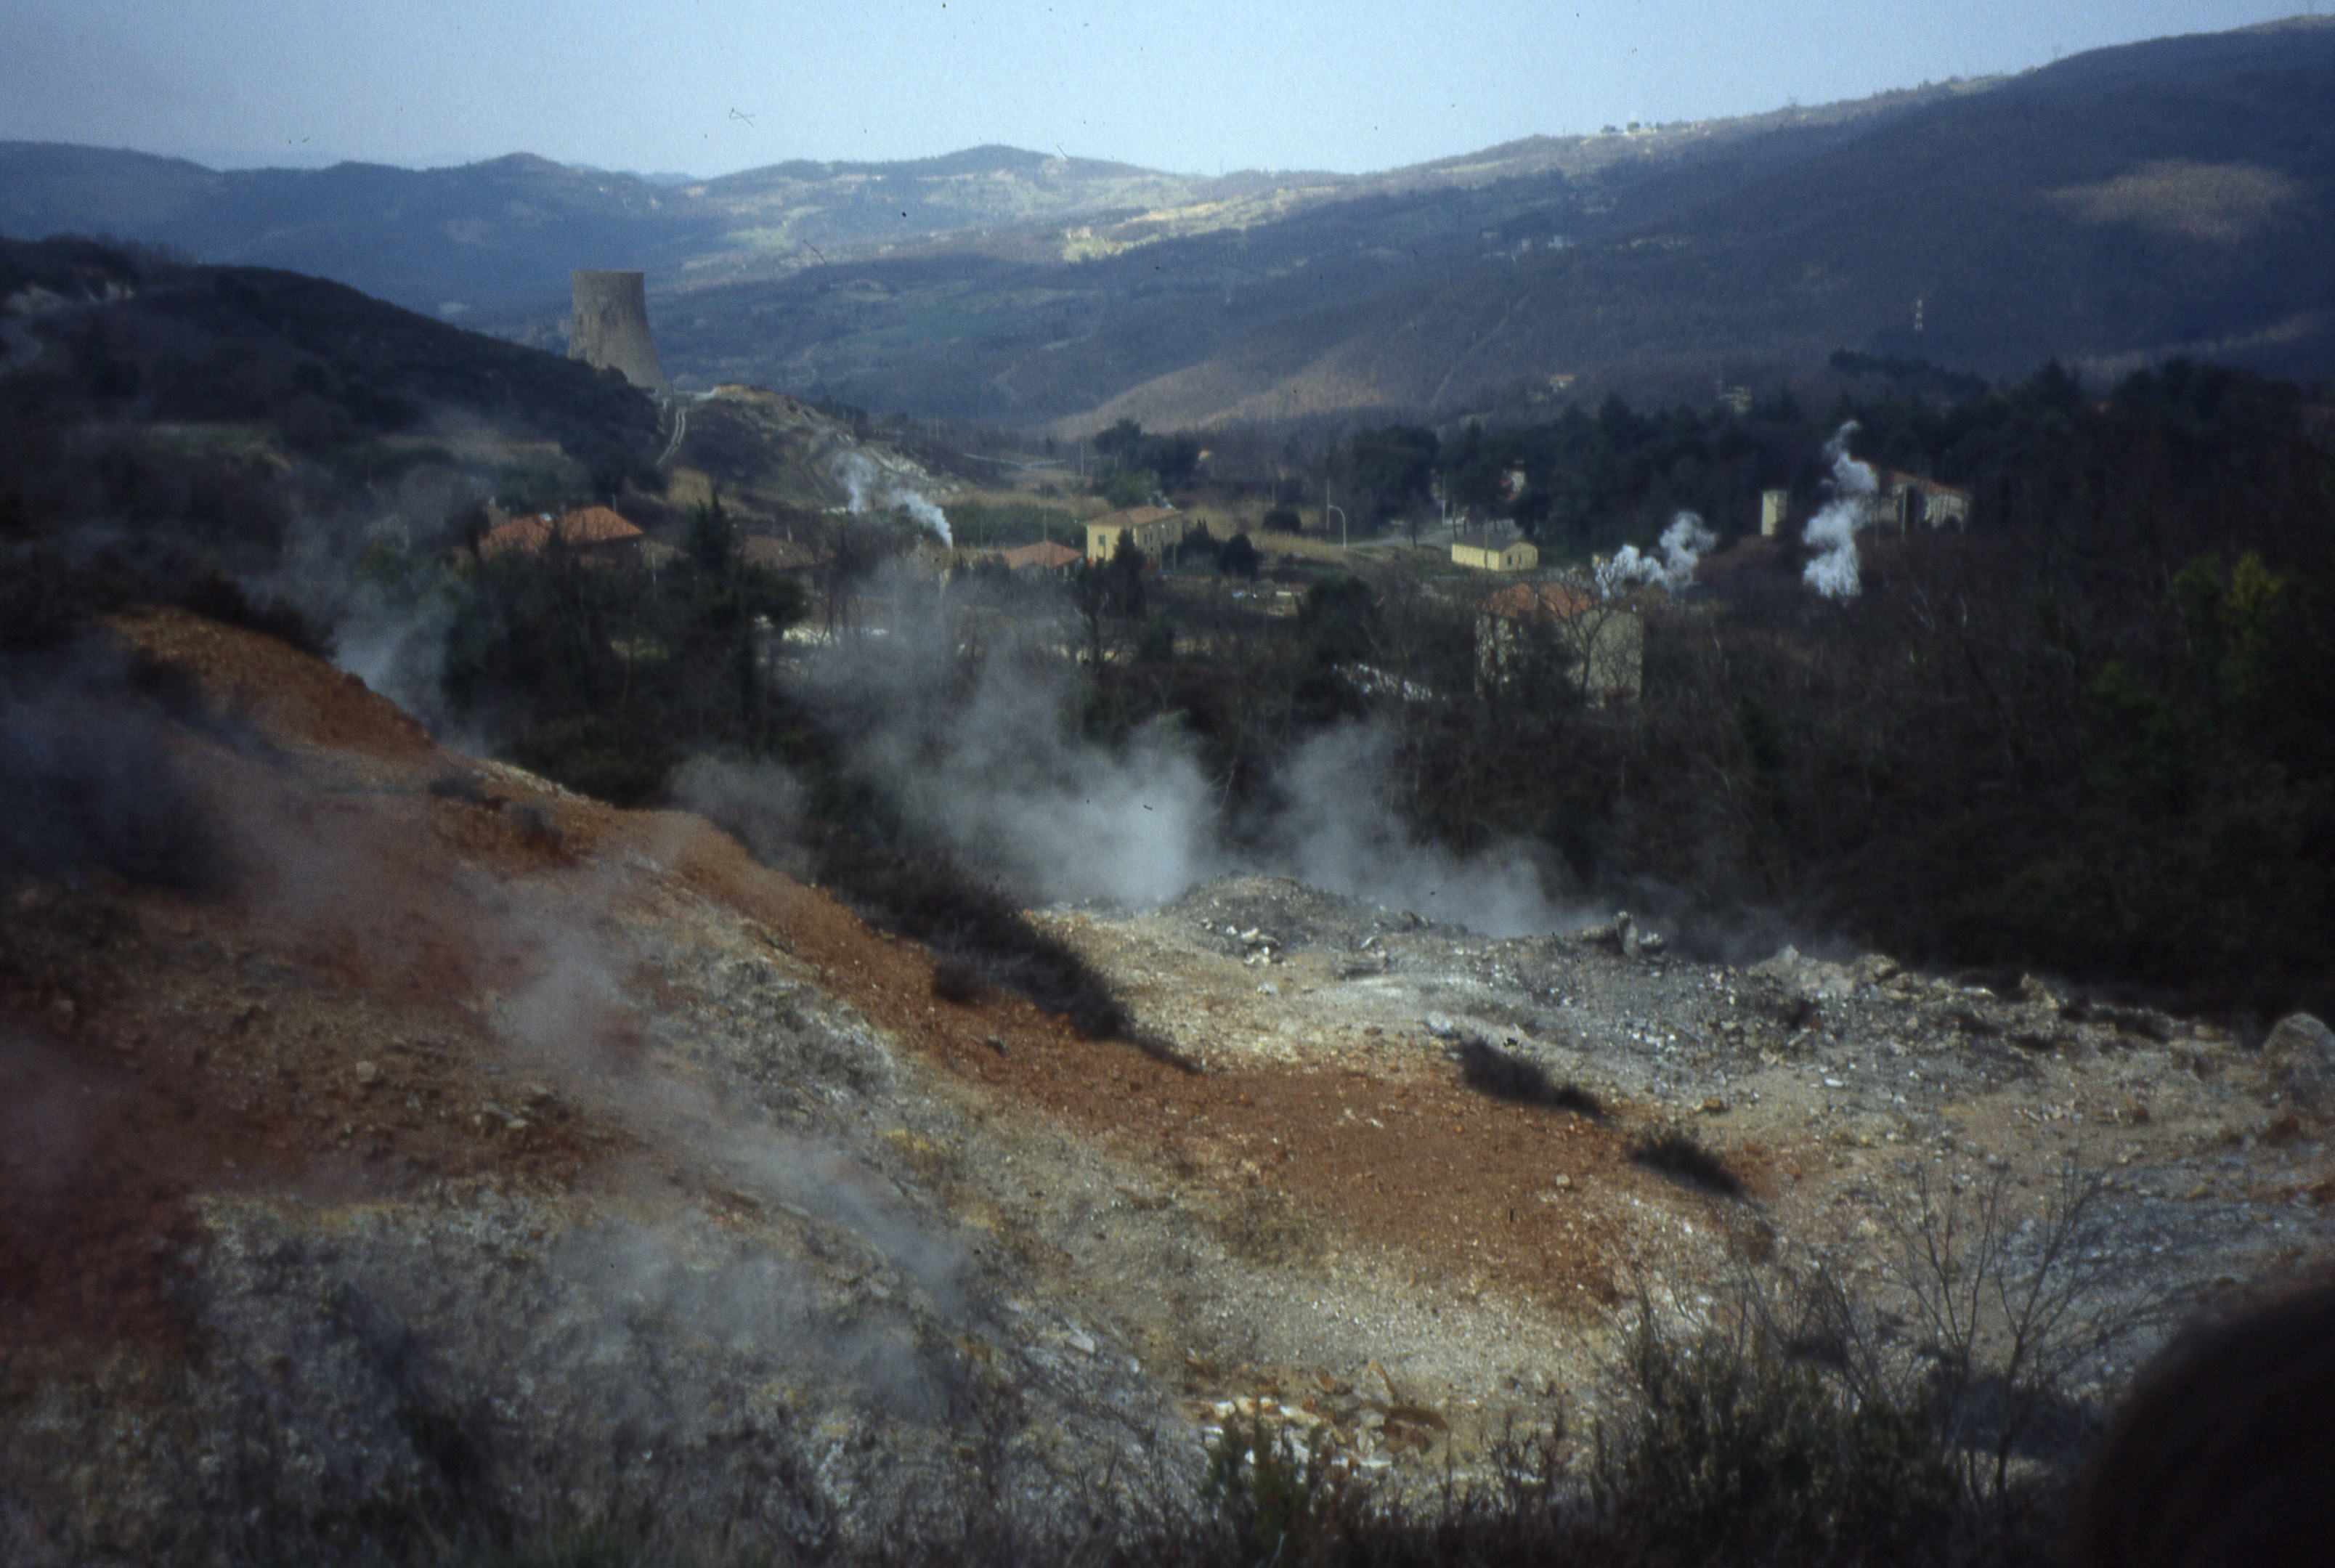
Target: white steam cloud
point(984, 762)
point(760, 803)
point(1683, 544)
point(867, 484)
point(1340, 833)
point(1833, 572)
point(398, 648)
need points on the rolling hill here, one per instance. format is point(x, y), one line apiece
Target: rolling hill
point(504, 233)
point(102, 338)
point(2174, 197)
point(494, 241)
point(2123, 206)
point(2169, 197)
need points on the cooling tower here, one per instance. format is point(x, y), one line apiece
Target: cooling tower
point(611, 327)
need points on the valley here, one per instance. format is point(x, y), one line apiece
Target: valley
point(1615, 851)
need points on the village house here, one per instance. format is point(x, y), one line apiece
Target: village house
point(1907, 500)
point(1494, 549)
point(593, 534)
point(1154, 530)
point(1601, 643)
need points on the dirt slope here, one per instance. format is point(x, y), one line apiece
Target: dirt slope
point(482, 1154)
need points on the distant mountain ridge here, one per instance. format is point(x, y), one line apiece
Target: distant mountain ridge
point(504, 233)
point(2174, 197)
point(2171, 197)
point(507, 231)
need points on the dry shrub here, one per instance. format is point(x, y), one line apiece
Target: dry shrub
point(1488, 1069)
point(1675, 1155)
point(925, 896)
point(1739, 1448)
point(956, 982)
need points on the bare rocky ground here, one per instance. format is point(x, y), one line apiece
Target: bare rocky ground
point(1494, 1250)
point(483, 1154)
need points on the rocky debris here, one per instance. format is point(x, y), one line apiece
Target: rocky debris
point(1800, 1075)
point(2299, 1054)
point(1356, 1423)
point(1800, 987)
point(479, 1352)
point(1369, 956)
point(778, 1307)
point(628, 1172)
point(1626, 934)
point(439, 1181)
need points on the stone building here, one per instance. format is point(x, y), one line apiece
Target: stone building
point(1600, 643)
point(1045, 559)
point(1154, 530)
point(1908, 500)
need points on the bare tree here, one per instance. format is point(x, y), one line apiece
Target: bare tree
point(2016, 1310)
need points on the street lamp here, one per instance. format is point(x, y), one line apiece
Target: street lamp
point(1341, 522)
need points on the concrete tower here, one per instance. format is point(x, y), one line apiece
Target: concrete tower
point(611, 327)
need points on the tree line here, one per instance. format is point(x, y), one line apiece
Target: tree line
point(2088, 734)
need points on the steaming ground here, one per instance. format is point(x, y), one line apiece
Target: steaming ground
point(486, 1157)
point(983, 759)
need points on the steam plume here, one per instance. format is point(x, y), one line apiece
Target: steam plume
point(1341, 836)
point(87, 780)
point(1683, 544)
point(983, 763)
point(1833, 572)
point(865, 484)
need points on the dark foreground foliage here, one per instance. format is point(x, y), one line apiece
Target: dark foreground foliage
point(1735, 1448)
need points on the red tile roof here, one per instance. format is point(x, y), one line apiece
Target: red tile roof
point(583, 528)
point(1047, 555)
point(1540, 600)
point(1897, 481)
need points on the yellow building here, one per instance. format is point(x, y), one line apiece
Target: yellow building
point(1489, 552)
point(1154, 530)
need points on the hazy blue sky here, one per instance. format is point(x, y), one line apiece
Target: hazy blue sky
point(713, 86)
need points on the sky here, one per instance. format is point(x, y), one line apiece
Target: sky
point(1199, 86)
